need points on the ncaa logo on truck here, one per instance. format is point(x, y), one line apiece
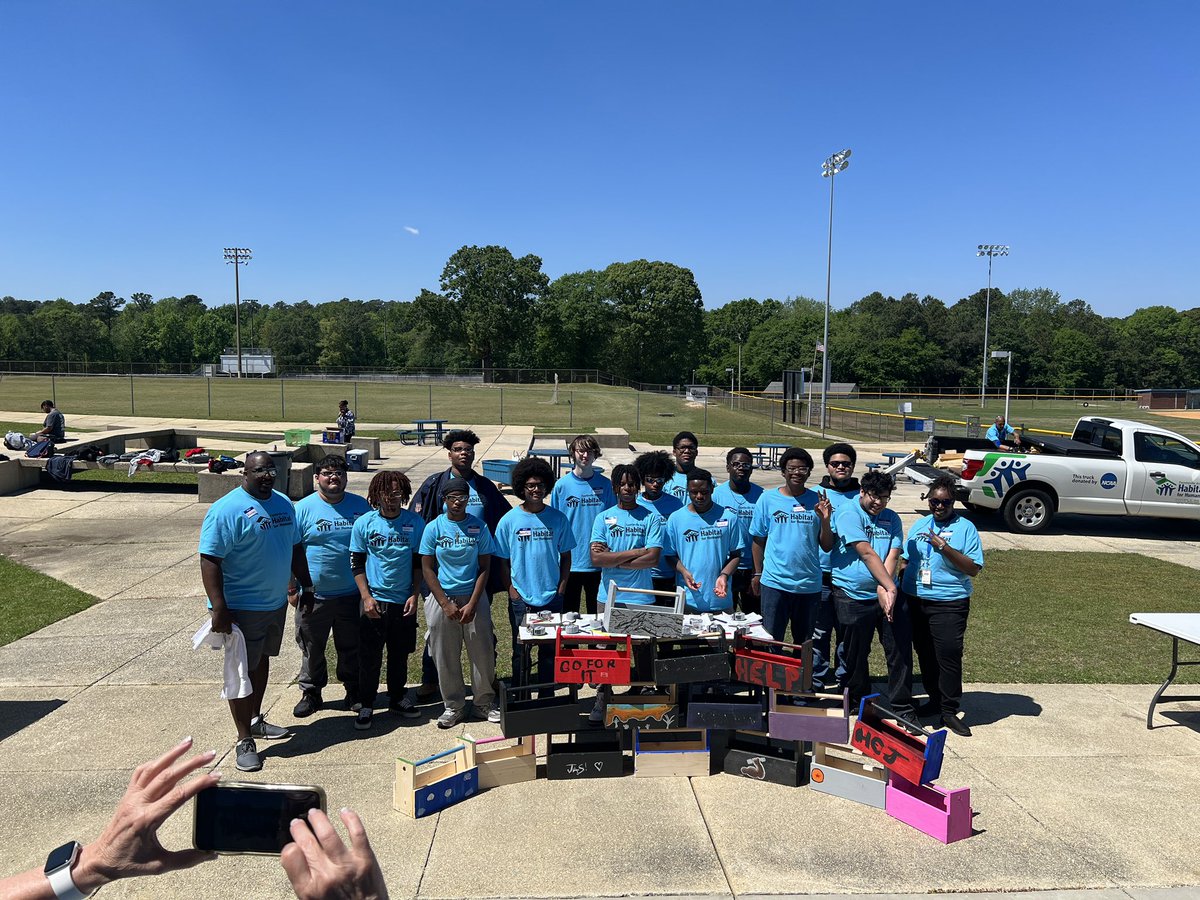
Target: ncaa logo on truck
point(1108, 481)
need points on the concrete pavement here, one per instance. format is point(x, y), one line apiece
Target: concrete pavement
point(1074, 798)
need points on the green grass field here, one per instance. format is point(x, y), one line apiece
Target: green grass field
point(31, 601)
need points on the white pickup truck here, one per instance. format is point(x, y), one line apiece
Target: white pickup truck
point(1108, 467)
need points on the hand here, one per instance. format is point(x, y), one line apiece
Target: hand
point(467, 614)
point(222, 621)
point(756, 585)
point(720, 586)
point(824, 508)
point(321, 867)
point(308, 599)
point(410, 606)
point(371, 608)
point(690, 581)
point(293, 596)
point(887, 599)
point(452, 611)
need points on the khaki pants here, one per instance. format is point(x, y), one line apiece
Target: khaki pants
point(445, 641)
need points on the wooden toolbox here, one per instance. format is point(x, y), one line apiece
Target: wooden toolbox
point(773, 664)
point(497, 766)
point(917, 759)
point(708, 708)
point(682, 752)
point(943, 814)
point(759, 757)
point(643, 619)
point(523, 713)
point(585, 754)
point(589, 659)
point(645, 711)
point(816, 717)
point(840, 772)
point(421, 791)
point(690, 660)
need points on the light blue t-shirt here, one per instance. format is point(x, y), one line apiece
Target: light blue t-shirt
point(703, 544)
point(993, 434)
point(947, 582)
point(474, 501)
point(627, 529)
point(677, 488)
point(837, 499)
point(391, 546)
point(457, 547)
point(533, 544)
point(325, 528)
point(792, 528)
point(742, 507)
point(664, 505)
point(253, 539)
point(883, 532)
point(581, 501)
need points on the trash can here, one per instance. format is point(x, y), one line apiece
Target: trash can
point(282, 460)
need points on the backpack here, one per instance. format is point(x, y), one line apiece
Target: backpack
point(15, 440)
point(40, 449)
point(88, 454)
point(217, 465)
point(60, 467)
point(170, 455)
point(198, 458)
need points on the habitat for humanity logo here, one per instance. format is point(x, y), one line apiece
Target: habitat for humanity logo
point(1166, 487)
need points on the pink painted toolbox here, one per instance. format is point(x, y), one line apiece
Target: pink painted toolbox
point(940, 813)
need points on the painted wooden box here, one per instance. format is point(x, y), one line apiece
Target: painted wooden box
point(918, 759)
point(690, 660)
point(523, 712)
point(587, 659)
point(585, 754)
point(940, 813)
point(645, 711)
point(643, 619)
point(684, 753)
point(757, 756)
point(498, 766)
point(840, 772)
point(724, 710)
point(817, 717)
point(773, 664)
point(421, 791)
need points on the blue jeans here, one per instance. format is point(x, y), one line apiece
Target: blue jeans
point(517, 608)
point(827, 625)
point(781, 608)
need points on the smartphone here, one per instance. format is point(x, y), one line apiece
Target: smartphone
point(251, 817)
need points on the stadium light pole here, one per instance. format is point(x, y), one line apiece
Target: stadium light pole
point(831, 167)
point(239, 256)
point(1005, 354)
point(990, 251)
point(729, 372)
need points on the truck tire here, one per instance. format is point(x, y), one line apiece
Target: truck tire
point(1029, 511)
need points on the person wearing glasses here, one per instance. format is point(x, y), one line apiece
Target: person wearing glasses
point(250, 545)
point(656, 470)
point(840, 487)
point(533, 546)
point(581, 495)
point(385, 559)
point(739, 495)
point(865, 560)
point(326, 519)
point(942, 555)
point(685, 446)
point(790, 526)
point(456, 559)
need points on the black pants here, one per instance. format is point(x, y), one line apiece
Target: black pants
point(860, 620)
point(743, 597)
point(398, 633)
point(338, 614)
point(938, 629)
point(582, 586)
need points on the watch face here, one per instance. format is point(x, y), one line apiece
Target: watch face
point(62, 856)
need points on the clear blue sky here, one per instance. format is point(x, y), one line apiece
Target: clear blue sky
point(142, 137)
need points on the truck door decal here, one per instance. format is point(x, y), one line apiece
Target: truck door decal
point(1003, 472)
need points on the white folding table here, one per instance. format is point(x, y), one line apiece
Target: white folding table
point(1180, 627)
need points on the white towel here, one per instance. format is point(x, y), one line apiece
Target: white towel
point(237, 674)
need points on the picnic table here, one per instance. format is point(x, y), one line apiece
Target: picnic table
point(556, 457)
point(768, 455)
point(430, 430)
point(1179, 627)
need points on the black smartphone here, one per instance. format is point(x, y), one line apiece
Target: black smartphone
point(251, 817)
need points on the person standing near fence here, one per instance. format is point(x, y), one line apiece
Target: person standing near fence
point(581, 495)
point(656, 470)
point(739, 495)
point(685, 446)
point(345, 420)
point(840, 487)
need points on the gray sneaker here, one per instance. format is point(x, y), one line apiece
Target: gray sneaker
point(493, 713)
point(261, 728)
point(596, 716)
point(247, 756)
point(451, 717)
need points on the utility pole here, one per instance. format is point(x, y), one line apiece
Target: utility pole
point(991, 251)
point(239, 256)
point(831, 167)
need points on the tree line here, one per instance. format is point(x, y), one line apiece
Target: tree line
point(642, 321)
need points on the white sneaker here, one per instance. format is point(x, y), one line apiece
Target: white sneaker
point(493, 714)
point(451, 717)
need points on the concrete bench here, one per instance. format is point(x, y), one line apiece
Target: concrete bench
point(607, 438)
point(370, 444)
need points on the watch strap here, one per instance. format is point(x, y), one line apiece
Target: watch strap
point(63, 885)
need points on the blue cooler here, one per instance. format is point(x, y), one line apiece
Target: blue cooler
point(356, 460)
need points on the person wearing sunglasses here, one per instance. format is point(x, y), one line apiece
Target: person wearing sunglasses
point(840, 487)
point(942, 555)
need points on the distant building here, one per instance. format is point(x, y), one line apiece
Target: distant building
point(1164, 398)
point(255, 361)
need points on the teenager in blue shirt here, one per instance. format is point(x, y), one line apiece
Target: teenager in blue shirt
point(627, 540)
point(942, 555)
point(685, 446)
point(740, 495)
point(656, 470)
point(839, 486)
point(580, 495)
point(789, 528)
point(533, 544)
point(385, 558)
point(865, 560)
point(703, 537)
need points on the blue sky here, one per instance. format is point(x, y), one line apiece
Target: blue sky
point(142, 137)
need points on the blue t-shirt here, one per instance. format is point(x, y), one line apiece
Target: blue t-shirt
point(993, 434)
point(581, 501)
point(946, 581)
point(474, 501)
point(742, 507)
point(457, 547)
point(677, 488)
point(325, 528)
point(391, 546)
point(253, 539)
point(792, 528)
point(664, 505)
point(703, 544)
point(837, 499)
point(883, 532)
point(533, 544)
point(627, 529)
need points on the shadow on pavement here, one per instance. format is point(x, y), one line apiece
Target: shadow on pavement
point(988, 707)
point(18, 714)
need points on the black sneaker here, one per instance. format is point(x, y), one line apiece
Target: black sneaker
point(247, 758)
point(956, 724)
point(308, 704)
point(363, 720)
point(929, 708)
point(352, 704)
point(261, 728)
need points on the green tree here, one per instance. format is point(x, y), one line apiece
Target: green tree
point(786, 340)
point(658, 320)
point(573, 323)
point(347, 335)
point(141, 301)
point(727, 329)
point(104, 307)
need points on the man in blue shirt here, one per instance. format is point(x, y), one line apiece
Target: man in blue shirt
point(627, 540)
point(685, 446)
point(581, 495)
point(739, 495)
point(325, 520)
point(839, 486)
point(704, 539)
point(249, 543)
point(1002, 435)
point(656, 470)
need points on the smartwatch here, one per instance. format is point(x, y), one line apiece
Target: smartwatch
point(58, 871)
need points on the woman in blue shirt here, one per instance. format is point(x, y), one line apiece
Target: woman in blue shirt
point(942, 555)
